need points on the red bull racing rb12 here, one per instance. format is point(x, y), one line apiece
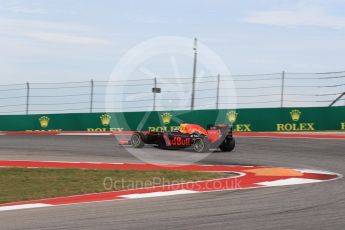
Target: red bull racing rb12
point(217, 136)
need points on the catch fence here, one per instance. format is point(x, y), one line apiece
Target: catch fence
point(161, 93)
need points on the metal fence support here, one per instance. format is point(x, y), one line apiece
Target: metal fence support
point(218, 82)
point(27, 97)
point(154, 93)
point(282, 90)
point(337, 99)
point(91, 95)
point(194, 73)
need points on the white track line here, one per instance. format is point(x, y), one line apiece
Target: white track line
point(290, 181)
point(316, 171)
point(24, 206)
point(157, 194)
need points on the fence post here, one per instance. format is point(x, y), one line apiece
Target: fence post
point(337, 99)
point(154, 93)
point(91, 96)
point(282, 90)
point(218, 81)
point(27, 97)
point(194, 73)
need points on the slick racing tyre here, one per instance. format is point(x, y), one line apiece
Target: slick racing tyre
point(201, 145)
point(136, 141)
point(228, 145)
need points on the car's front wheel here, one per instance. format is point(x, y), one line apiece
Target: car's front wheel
point(136, 141)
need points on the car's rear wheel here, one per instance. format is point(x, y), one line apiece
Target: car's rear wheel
point(201, 145)
point(228, 145)
point(136, 141)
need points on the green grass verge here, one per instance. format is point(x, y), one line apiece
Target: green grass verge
point(21, 184)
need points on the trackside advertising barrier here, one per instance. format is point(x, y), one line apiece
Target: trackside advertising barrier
point(243, 120)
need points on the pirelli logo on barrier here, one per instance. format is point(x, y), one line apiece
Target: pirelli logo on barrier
point(295, 125)
point(232, 117)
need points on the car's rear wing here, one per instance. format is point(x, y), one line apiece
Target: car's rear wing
point(223, 128)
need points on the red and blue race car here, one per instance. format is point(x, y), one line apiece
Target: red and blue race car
point(188, 136)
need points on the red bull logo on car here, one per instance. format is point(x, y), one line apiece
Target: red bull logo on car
point(179, 141)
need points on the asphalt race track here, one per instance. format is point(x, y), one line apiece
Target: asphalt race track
point(308, 206)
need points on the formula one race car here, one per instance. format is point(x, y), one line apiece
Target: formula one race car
point(189, 135)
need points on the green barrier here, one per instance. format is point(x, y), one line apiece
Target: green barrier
point(243, 120)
